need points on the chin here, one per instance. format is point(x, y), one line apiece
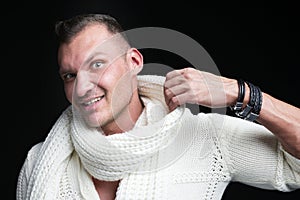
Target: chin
point(92, 121)
point(92, 124)
point(96, 121)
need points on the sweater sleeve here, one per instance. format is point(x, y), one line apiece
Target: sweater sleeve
point(254, 156)
point(25, 171)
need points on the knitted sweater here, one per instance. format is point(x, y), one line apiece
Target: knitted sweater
point(204, 154)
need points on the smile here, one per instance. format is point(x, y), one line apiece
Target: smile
point(93, 101)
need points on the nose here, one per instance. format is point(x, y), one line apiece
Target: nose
point(84, 83)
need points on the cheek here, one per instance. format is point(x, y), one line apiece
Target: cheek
point(111, 78)
point(68, 91)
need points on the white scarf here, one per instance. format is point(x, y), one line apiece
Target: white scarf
point(106, 158)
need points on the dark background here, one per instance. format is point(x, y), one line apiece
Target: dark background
point(258, 42)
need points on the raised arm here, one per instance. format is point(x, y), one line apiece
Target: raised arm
point(283, 120)
point(190, 85)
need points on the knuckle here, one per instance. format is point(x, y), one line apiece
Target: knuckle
point(174, 100)
point(168, 92)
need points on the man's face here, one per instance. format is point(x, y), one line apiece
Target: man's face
point(99, 73)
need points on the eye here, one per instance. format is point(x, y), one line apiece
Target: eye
point(68, 76)
point(97, 64)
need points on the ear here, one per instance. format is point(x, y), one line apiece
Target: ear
point(135, 60)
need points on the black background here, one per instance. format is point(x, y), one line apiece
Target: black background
point(255, 41)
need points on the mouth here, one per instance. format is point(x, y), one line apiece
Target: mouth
point(93, 101)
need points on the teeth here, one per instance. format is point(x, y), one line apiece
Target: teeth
point(93, 101)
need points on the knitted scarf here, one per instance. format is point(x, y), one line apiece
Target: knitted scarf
point(106, 158)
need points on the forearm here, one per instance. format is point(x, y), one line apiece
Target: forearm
point(283, 120)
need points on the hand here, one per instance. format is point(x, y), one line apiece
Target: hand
point(190, 85)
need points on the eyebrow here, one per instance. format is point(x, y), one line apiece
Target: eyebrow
point(92, 56)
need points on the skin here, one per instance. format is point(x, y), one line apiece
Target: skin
point(92, 69)
point(189, 85)
point(108, 75)
point(110, 78)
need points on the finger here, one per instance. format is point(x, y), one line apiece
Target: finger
point(174, 73)
point(181, 99)
point(172, 106)
point(176, 90)
point(173, 103)
point(177, 80)
point(168, 95)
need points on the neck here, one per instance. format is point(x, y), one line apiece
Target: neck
point(127, 118)
point(106, 189)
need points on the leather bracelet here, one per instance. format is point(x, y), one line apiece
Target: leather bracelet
point(257, 101)
point(241, 95)
point(260, 100)
point(257, 105)
point(251, 102)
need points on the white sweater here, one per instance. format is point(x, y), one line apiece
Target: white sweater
point(209, 151)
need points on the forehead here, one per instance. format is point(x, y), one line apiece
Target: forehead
point(93, 38)
point(89, 37)
point(94, 33)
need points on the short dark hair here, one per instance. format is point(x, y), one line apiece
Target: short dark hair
point(67, 29)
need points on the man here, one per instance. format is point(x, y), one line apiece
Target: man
point(131, 137)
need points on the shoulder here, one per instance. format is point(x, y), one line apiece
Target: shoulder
point(63, 120)
point(34, 151)
point(29, 163)
point(32, 156)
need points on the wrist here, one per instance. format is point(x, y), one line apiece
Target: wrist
point(247, 95)
point(248, 102)
point(231, 91)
